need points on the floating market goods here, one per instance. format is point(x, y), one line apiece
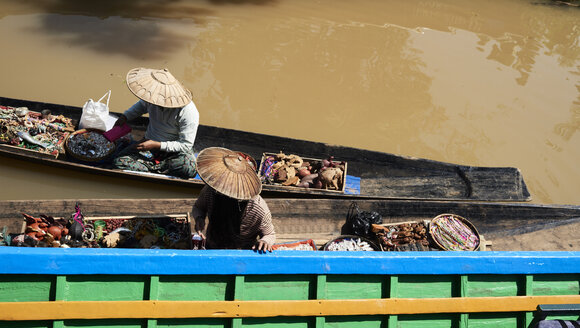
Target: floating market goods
point(32, 130)
point(78, 231)
point(454, 233)
point(299, 247)
point(349, 244)
point(89, 145)
point(293, 170)
point(393, 236)
point(27, 137)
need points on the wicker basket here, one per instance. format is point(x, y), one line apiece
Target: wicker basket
point(372, 244)
point(452, 232)
point(82, 157)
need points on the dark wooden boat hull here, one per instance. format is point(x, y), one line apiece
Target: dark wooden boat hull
point(319, 219)
point(383, 175)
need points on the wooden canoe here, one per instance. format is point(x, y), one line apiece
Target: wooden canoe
point(320, 219)
point(52, 287)
point(382, 175)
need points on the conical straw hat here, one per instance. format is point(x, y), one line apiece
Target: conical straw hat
point(158, 86)
point(228, 173)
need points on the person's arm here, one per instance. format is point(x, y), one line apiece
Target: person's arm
point(188, 124)
point(266, 231)
point(139, 108)
point(199, 210)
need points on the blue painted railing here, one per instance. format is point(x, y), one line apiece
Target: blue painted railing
point(58, 261)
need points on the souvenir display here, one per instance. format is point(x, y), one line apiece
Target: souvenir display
point(351, 243)
point(402, 236)
point(297, 171)
point(89, 145)
point(454, 233)
point(301, 245)
point(170, 232)
point(41, 132)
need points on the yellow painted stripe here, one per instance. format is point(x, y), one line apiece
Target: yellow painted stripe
point(63, 310)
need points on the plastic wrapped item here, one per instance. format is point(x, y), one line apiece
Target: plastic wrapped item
point(359, 222)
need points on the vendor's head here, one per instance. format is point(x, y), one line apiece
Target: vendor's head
point(158, 86)
point(228, 173)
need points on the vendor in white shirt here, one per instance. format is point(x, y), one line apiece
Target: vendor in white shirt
point(173, 121)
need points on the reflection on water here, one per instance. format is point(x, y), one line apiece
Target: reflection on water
point(492, 83)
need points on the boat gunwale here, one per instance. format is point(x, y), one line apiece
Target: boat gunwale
point(101, 261)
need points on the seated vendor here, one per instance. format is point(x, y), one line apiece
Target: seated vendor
point(238, 217)
point(173, 121)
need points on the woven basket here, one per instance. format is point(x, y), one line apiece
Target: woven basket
point(81, 157)
point(452, 232)
point(373, 245)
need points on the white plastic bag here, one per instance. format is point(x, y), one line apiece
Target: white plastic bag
point(96, 114)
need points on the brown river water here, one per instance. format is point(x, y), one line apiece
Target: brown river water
point(486, 83)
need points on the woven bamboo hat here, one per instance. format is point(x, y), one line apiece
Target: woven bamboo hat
point(158, 86)
point(228, 173)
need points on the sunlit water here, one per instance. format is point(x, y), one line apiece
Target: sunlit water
point(487, 83)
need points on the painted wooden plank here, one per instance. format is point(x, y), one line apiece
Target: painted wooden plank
point(529, 283)
point(495, 320)
point(279, 287)
point(196, 288)
point(427, 286)
point(106, 288)
point(27, 260)
point(427, 321)
point(26, 288)
point(392, 320)
point(63, 310)
point(494, 285)
point(354, 286)
point(59, 295)
point(556, 284)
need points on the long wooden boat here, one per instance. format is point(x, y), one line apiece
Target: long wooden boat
point(319, 219)
point(55, 287)
point(382, 175)
point(42, 287)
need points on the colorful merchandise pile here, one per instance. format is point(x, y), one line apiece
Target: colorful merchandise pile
point(154, 232)
point(42, 132)
point(89, 145)
point(454, 233)
point(404, 236)
point(293, 170)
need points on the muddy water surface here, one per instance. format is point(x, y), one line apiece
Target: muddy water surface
point(488, 83)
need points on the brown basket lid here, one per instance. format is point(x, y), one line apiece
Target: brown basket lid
point(158, 86)
point(228, 173)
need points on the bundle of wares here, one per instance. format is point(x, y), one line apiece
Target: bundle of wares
point(293, 170)
point(78, 232)
point(447, 232)
point(42, 132)
point(89, 145)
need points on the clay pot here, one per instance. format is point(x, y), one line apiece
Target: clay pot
point(303, 172)
point(317, 184)
point(55, 231)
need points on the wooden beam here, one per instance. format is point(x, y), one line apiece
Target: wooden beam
point(61, 310)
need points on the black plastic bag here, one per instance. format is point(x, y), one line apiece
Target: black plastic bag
point(359, 222)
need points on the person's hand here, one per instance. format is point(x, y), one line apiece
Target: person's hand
point(148, 145)
point(121, 120)
point(199, 226)
point(262, 246)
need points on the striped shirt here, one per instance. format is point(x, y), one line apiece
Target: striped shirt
point(256, 220)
